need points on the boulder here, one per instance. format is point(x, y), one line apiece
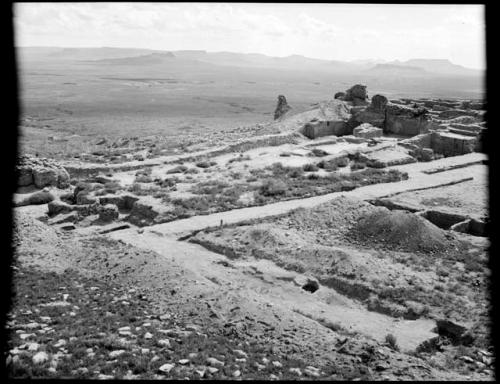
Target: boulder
point(357, 91)
point(339, 95)
point(367, 131)
point(108, 212)
point(281, 108)
point(62, 178)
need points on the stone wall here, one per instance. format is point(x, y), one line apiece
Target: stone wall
point(452, 144)
point(317, 129)
point(406, 121)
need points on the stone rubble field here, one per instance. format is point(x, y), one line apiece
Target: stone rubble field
point(345, 242)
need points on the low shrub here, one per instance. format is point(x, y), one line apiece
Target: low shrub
point(310, 167)
point(143, 179)
point(330, 165)
point(391, 341)
point(358, 165)
point(271, 187)
point(205, 164)
point(313, 176)
point(342, 162)
point(209, 187)
point(319, 152)
point(297, 172)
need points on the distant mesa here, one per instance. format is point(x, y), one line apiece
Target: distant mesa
point(394, 68)
point(152, 58)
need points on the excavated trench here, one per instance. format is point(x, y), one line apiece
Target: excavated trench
point(444, 220)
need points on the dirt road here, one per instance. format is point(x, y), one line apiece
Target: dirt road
point(416, 180)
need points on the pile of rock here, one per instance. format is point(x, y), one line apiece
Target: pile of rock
point(41, 172)
point(367, 131)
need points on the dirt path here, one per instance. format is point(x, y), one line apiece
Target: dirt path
point(417, 180)
point(262, 283)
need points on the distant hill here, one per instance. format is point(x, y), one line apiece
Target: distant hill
point(439, 66)
point(152, 58)
point(397, 70)
point(53, 53)
point(139, 56)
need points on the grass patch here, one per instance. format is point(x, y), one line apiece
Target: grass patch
point(91, 335)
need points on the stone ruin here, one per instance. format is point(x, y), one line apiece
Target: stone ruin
point(442, 127)
point(281, 108)
point(40, 173)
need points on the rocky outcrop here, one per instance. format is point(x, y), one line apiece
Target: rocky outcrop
point(41, 172)
point(281, 108)
point(356, 94)
point(339, 95)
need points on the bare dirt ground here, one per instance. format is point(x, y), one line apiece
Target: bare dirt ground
point(251, 301)
point(254, 254)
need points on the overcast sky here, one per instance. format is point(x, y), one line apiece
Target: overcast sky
point(326, 31)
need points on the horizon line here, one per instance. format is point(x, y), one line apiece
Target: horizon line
point(247, 53)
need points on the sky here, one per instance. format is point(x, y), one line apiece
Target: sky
point(325, 31)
